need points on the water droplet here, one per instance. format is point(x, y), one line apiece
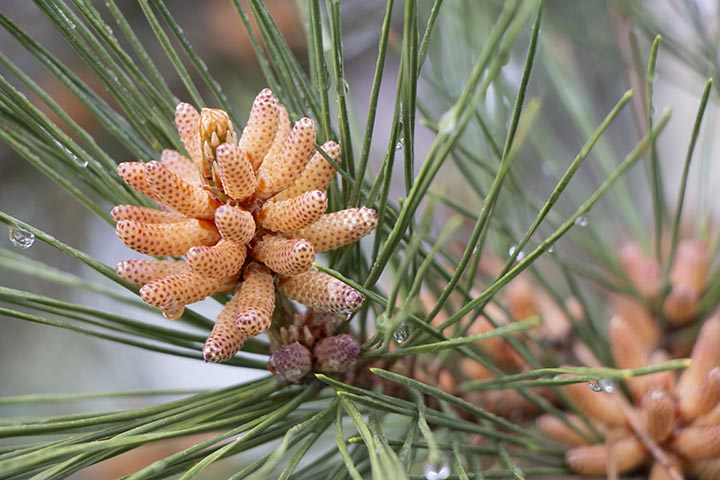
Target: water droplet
point(21, 238)
point(520, 255)
point(551, 249)
point(399, 145)
point(401, 333)
point(602, 385)
point(85, 164)
point(435, 472)
point(607, 385)
point(594, 386)
point(345, 87)
point(173, 313)
point(581, 221)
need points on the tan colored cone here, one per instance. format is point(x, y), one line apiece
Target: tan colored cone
point(681, 305)
point(261, 127)
point(226, 338)
point(293, 214)
point(181, 166)
point(334, 230)
point(707, 398)
point(322, 292)
point(133, 173)
point(560, 431)
point(644, 273)
point(283, 255)
point(281, 135)
point(257, 300)
point(599, 405)
point(317, 174)
point(179, 195)
point(187, 120)
point(141, 272)
point(166, 239)
point(628, 454)
point(235, 223)
point(698, 443)
point(638, 317)
point(705, 469)
point(705, 355)
point(221, 260)
point(279, 171)
point(176, 291)
point(144, 214)
point(657, 414)
point(235, 171)
point(629, 350)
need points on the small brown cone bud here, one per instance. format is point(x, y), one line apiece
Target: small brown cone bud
point(283, 255)
point(176, 193)
point(257, 300)
point(215, 128)
point(698, 443)
point(705, 355)
point(133, 173)
point(322, 324)
point(657, 414)
point(261, 127)
point(336, 354)
point(141, 272)
point(292, 361)
point(235, 171)
point(235, 223)
point(181, 166)
point(279, 171)
point(320, 291)
point(599, 405)
point(167, 239)
point(293, 214)
point(144, 215)
point(281, 135)
point(221, 260)
point(317, 175)
point(628, 454)
point(187, 121)
point(334, 230)
point(560, 431)
point(176, 291)
point(225, 339)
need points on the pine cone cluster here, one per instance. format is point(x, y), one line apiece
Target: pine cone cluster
point(248, 216)
point(668, 422)
point(310, 342)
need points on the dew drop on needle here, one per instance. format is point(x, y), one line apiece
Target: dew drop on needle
point(21, 238)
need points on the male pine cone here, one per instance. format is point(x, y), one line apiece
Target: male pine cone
point(247, 214)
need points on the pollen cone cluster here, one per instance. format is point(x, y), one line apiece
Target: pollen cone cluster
point(670, 423)
point(247, 214)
